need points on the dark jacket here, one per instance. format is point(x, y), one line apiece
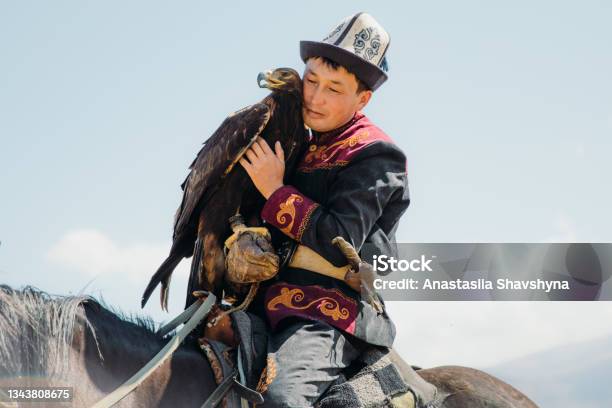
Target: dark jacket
point(351, 182)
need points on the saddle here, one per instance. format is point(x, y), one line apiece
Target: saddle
point(236, 367)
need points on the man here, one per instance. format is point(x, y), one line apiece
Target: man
point(351, 182)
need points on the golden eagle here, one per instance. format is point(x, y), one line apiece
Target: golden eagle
point(217, 188)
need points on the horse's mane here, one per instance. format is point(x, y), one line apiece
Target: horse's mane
point(36, 328)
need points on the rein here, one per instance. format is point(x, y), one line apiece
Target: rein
point(193, 315)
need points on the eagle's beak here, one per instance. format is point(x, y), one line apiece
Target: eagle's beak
point(267, 80)
point(262, 79)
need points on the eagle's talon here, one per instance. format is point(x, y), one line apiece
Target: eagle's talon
point(200, 294)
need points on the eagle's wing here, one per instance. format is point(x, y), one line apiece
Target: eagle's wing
point(216, 158)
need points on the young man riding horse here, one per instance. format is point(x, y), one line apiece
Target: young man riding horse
point(351, 182)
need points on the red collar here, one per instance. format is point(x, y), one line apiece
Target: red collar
point(322, 137)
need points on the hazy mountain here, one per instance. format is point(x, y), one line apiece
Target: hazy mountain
point(573, 376)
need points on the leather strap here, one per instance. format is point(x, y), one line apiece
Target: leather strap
point(231, 383)
point(194, 315)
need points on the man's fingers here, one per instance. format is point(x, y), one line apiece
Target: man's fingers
point(279, 151)
point(265, 146)
point(252, 156)
point(257, 148)
point(245, 163)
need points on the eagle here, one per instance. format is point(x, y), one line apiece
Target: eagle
point(217, 189)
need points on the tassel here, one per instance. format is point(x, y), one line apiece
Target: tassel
point(384, 65)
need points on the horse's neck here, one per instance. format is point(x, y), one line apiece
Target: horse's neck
point(121, 348)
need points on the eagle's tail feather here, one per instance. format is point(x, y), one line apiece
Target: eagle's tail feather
point(164, 291)
point(162, 275)
point(196, 270)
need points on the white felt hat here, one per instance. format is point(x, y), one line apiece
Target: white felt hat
point(359, 43)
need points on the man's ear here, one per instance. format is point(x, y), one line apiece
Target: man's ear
point(364, 98)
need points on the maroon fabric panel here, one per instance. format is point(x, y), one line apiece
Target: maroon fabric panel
point(312, 302)
point(289, 211)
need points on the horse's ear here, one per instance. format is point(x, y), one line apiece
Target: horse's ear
point(91, 303)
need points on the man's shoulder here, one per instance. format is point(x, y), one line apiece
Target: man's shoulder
point(371, 135)
point(364, 124)
point(371, 140)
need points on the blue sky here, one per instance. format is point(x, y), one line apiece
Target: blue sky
point(503, 109)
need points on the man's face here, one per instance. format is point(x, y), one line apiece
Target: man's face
point(330, 96)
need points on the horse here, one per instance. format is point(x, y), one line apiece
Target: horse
point(82, 343)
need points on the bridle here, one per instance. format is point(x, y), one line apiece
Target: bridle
point(191, 316)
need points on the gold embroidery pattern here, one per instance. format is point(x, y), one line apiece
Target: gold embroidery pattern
point(267, 375)
point(323, 165)
point(286, 214)
point(326, 305)
point(305, 220)
point(315, 152)
point(322, 152)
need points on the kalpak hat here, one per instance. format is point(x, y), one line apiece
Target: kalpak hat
point(359, 44)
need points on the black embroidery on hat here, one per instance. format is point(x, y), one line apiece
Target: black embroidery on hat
point(350, 25)
point(360, 39)
point(334, 32)
point(375, 44)
point(361, 46)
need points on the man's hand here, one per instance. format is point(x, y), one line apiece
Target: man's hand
point(265, 167)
